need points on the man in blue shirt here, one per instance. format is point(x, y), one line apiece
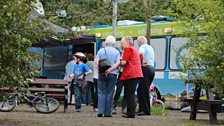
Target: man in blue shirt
point(69, 70)
point(147, 56)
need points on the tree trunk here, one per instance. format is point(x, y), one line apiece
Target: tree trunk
point(195, 101)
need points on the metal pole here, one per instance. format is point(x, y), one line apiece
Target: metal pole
point(148, 33)
point(114, 20)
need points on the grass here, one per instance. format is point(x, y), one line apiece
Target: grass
point(191, 124)
point(158, 111)
point(154, 110)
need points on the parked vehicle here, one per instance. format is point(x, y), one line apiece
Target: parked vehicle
point(164, 39)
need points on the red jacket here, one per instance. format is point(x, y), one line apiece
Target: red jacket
point(132, 68)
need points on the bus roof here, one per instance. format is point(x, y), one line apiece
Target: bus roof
point(160, 28)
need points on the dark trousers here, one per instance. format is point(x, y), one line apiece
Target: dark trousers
point(143, 89)
point(119, 86)
point(95, 94)
point(89, 92)
point(129, 92)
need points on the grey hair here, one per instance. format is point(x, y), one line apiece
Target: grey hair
point(128, 39)
point(142, 39)
point(110, 40)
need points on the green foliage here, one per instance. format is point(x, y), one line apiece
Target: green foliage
point(159, 7)
point(17, 34)
point(203, 23)
point(94, 12)
point(79, 12)
point(132, 10)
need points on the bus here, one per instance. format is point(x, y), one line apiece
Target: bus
point(167, 45)
point(164, 40)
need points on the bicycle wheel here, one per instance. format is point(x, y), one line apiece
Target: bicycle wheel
point(8, 104)
point(47, 105)
point(159, 105)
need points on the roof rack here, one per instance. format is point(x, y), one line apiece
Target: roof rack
point(162, 18)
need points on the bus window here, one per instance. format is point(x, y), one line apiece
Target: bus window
point(56, 58)
point(176, 51)
point(118, 44)
point(159, 46)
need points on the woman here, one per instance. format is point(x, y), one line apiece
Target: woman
point(107, 79)
point(131, 74)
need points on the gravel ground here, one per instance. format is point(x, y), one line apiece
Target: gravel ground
point(23, 115)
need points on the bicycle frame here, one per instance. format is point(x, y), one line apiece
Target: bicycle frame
point(39, 101)
point(29, 98)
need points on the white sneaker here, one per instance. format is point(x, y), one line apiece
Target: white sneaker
point(114, 111)
point(95, 109)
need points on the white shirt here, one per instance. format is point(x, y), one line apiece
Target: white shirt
point(148, 53)
point(95, 71)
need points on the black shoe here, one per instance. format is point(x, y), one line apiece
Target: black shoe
point(107, 115)
point(128, 116)
point(142, 114)
point(100, 115)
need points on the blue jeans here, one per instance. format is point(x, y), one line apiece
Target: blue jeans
point(106, 87)
point(78, 95)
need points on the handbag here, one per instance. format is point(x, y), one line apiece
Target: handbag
point(82, 84)
point(104, 64)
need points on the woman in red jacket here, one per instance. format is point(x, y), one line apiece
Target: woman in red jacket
point(131, 74)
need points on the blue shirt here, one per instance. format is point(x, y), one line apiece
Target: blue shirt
point(148, 53)
point(79, 70)
point(69, 69)
point(112, 56)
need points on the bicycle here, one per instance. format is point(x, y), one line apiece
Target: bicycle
point(154, 96)
point(154, 101)
point(39, 101)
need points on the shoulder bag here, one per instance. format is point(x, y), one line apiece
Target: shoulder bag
point(104, 64)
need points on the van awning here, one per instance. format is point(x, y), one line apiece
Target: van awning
point(71, 41)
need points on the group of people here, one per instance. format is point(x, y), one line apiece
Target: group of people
point(137, 68)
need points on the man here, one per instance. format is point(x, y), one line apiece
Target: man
point(68, 70)
point(147, 61)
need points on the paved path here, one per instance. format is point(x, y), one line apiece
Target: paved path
point(25, 116)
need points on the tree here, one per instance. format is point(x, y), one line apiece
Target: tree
point(17, 34)
point(79, 12)
point(95, 12)
point(203, 23)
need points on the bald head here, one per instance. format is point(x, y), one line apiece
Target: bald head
point(141, 40)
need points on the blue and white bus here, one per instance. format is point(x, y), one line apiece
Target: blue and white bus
point(164, 40)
